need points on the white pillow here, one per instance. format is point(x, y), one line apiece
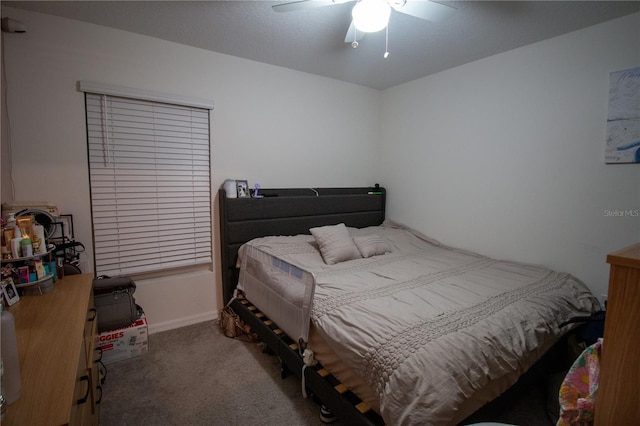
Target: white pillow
point(371, 245)
point(335, 243)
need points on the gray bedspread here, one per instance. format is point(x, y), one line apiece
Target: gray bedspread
point(435, 331)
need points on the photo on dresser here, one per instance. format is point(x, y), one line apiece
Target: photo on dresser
point(9, 291)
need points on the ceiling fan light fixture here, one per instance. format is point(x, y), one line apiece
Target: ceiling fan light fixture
point(370, 16)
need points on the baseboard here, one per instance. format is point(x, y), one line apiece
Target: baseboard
point(182, 322)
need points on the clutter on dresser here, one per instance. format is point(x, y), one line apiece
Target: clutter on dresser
point(38, 246)
point(27, 264)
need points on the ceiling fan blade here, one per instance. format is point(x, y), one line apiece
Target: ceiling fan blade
point(352, 34)
point(305, 4)
point(424, 9)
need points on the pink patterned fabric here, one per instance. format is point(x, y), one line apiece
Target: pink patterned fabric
point(579, 388)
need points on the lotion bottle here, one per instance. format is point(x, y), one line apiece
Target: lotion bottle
point(11, 384)
point(16, 250)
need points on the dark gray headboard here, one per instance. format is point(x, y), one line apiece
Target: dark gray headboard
point(291, 211)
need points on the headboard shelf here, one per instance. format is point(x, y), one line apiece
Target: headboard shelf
point(240, 209)
point(291, 211)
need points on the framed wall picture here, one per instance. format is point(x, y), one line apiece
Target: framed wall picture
point(623, 120)
point(242, 187)
point(9, 291)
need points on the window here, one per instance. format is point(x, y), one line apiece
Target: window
point(149, 170)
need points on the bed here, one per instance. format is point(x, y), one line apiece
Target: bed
point(405, 329)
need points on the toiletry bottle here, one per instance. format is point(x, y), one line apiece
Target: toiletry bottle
point(60, 268)
point(10, 365)
point(8, 230)
point(25, 247)
point(38, 241)
point(11, 222)
point(16, 250)
point(7, 236)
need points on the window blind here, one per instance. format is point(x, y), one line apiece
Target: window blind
point(150, 184)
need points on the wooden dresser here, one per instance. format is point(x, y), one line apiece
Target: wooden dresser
point(57, 350)
point(618, 399)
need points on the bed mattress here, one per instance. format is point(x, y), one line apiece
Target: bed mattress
point(432, 332)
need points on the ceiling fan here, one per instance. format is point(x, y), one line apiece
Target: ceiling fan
point(379, 10)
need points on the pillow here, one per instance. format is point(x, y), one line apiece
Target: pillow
point(371, 245)
point(335, 243)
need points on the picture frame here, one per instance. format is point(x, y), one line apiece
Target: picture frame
point(10, 292)
point(242, 188)
point(62, 228)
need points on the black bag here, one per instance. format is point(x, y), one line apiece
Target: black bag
point(115, 303)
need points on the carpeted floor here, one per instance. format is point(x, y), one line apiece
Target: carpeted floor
point(196, 376)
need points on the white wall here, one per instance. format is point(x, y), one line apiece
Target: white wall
point(270, 125)
point(505, 156)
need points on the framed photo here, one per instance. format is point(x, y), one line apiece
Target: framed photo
point(9, 291)
point(242, 187)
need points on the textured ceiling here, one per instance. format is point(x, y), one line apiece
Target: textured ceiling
point(312, 40)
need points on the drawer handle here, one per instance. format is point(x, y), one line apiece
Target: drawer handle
point(102, 372)
point(94, 311)
point(86, 395)
point(99, 399)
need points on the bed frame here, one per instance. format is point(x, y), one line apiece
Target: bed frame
point(293, 212)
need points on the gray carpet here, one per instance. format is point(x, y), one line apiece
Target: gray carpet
point(196, 376)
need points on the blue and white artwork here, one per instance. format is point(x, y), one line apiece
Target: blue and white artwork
point(623, 121)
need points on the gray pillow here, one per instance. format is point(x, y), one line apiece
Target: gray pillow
point(371, 245)
point(335, 243)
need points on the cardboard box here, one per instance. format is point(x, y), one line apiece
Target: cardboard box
point(124, 343)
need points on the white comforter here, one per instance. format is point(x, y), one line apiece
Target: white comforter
point(434, 331)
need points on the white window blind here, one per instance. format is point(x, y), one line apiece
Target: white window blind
point(150, 184)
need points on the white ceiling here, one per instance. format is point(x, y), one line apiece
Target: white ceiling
point(312, 40)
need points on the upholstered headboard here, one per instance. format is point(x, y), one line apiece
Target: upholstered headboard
point(291, 211)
